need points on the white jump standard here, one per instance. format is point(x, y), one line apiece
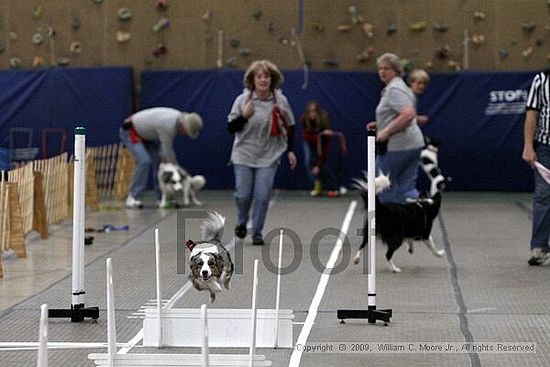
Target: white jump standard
point(371, 314)
point(78, 312)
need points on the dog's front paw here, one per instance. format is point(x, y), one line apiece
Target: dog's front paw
point(440, 253)
point(197, 203)
point(212, 297)
point(226, 284)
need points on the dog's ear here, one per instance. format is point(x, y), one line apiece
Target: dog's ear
point(166, 176)
point(190, 245)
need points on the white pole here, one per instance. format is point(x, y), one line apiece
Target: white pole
point(111, 323)
point(278, 297)
point(219, 62)
point(466, 50)
point(204, 350)
point(254, 316)
point(371, 219)
point(42, 359)
point(159, 293)
point(79, 185)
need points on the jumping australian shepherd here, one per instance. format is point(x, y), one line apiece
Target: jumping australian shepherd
point(176, 183)
point(210, 262)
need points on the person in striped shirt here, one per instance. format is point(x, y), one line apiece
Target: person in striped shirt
point(537, 149)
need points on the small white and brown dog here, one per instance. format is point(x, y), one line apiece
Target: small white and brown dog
point(210, 262)
point(175, 182)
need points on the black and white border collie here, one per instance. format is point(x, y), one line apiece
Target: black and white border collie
point(210, 262)
point(398, 223)
point(175, 182)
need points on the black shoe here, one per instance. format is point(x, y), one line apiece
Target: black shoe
point(258, 241)
point(240, 231)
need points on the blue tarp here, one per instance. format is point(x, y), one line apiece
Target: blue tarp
point(478, 117)
point(96, 98)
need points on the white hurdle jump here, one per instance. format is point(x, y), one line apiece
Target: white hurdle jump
point(112, 359)
point(181, 327)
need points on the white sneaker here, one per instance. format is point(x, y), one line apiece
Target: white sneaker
point(133, 203)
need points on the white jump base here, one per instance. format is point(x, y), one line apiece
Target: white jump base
point(182, 327)
point(167, 360)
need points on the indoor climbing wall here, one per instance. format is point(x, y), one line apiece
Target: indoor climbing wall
point(339, 35)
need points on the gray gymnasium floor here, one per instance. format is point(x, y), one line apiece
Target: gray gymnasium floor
point(481, 291)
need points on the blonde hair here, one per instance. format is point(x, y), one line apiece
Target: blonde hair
point(419, 74)
point(263, 65)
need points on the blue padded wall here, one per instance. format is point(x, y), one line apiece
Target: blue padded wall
point(96, 98)
point(478, 117)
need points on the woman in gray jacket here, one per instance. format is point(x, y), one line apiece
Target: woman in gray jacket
point(263, 124)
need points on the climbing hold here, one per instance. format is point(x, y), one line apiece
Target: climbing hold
point(479, 15)
point(13, 36)
point(257, 14)
point(76, 48)
point(207, 17)
point(418, 26)
point(368, 29)
point(244, 51)
point(478, 39)
point(161, 24)
point(37, 61)
point(75, 24)
point(529, 27)
point(356, 17)
point(15, 63)
point(343, 28)
point(539, 41)
point(37, 38)
point(234, 42)
point(160, 50)
point(207, 37)
point(407, 66)
point(392, 29)
point(232, 62)
point(282, 40)
point(364, 56)
point(124, 14)
point(271, 26)
point(62, 61)
point(317, 26)
point(454, 65)
point(161, 4)
point(443, 52)
point(51, 32)
point(526, 53)
point(331, 62)
point(503, 54)
point(122, 37)
point(428, 65)
point(88, 240)
point(37, 13)
point(440, 27)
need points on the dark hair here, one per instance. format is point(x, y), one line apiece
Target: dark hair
point(322, 122)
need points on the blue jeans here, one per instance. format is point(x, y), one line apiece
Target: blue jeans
point(541, 202)
point(402, 168)
point(146, 154)
point(253, 184)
